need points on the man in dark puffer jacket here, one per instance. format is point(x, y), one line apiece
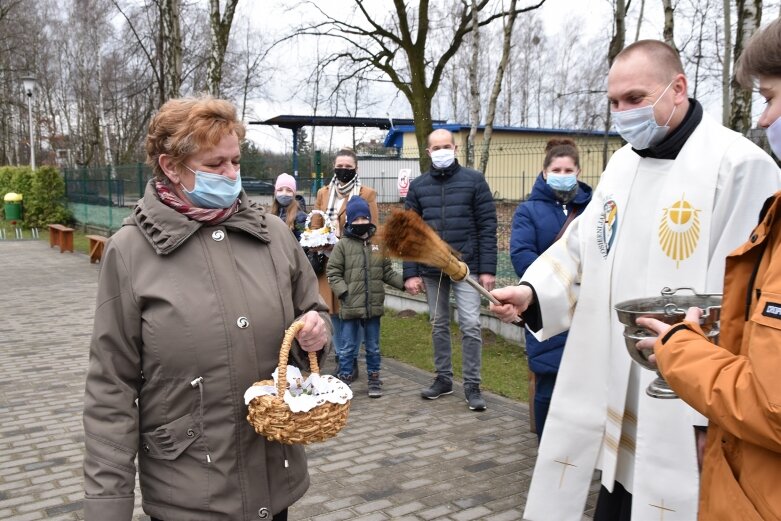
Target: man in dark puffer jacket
point(457, 203)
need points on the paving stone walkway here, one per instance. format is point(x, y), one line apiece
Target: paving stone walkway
point(400, 457)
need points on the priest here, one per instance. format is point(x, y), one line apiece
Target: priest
point(670, 206)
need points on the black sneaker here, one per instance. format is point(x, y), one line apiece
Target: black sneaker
point(440, 386)
point(375, 385)
point(473, 397)
point(356, 374)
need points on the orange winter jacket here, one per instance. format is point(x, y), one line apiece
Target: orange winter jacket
point(737, 385)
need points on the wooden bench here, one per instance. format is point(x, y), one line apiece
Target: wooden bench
point(96, 244)
point(61, 236)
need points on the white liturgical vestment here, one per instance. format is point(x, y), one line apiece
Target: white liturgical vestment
point(651, 223)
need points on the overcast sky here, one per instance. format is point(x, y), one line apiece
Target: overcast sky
point(275, 17)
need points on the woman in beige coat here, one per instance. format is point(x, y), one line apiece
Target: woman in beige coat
point(195, 292)
point(332, 199)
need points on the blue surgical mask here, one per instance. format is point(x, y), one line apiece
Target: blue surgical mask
point(562, 182)
point(774, 137)
point(639, 127)
point(213, 190)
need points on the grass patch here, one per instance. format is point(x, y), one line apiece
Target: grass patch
point(407, 337)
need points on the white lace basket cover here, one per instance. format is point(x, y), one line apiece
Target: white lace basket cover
point(303, 395)
point(320, 237)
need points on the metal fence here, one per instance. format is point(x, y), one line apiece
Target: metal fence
point(104, 196)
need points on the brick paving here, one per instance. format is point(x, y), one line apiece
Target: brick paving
point(400, 457)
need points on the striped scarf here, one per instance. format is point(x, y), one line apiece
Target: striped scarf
point(345, 190)
point(210, 216)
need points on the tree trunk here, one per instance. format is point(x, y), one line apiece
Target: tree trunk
point(749, 18)
point(726, 64)
point(102, 117)
point(668, 33)
point(220, 33)
point(619, 32)
point(616, 44)
point(497, 88)
point(640, 19)
point(421, 109)
point(172, 46)
point(700, 37)
point(474, 90)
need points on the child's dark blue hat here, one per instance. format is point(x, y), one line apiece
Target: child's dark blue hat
point(357, 207)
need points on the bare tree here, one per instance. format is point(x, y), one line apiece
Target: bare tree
point(379, 46)
point(220, 32)
point(170, 45)
point(474, 88)
point(640, 19)
point(668, 33)
point(749, 17)
point(726, 64)
point(701, 11)
point(247, 67)
point(616, 44)
point(497, 88)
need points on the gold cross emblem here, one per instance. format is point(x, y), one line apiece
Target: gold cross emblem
point(564, 465)
point(662, 509)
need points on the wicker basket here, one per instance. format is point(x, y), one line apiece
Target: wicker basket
point(271, 417)
point(319, 237)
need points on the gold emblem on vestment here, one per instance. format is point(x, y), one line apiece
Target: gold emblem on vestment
point(679, 230)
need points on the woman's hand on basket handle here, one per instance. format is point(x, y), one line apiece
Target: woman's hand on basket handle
point(514, 299)
point(314, 335)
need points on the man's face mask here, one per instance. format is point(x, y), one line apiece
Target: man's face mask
point(443, 158)
point(213, 190)
point(638, 126)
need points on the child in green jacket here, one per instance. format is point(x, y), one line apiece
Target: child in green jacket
point(357, 273)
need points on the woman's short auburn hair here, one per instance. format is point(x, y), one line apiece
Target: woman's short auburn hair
point(183, 126)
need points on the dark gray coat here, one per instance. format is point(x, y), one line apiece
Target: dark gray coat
point(179, 300)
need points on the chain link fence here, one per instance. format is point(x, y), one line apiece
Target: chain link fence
point(102, 197)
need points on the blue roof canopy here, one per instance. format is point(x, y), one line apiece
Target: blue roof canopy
point(395, 136)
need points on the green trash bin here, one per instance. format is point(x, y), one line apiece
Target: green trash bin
point(12, 205)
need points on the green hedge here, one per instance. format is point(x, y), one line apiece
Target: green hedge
point(43, 192)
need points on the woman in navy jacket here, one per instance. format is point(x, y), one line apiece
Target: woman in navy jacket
point(556, 198)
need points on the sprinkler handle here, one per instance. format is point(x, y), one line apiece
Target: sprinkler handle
point(487, 294)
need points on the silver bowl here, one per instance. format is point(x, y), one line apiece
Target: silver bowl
point(669, 308)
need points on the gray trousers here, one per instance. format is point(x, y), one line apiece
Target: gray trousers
point(468, 304)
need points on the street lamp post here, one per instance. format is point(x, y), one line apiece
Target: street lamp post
point(29, 88)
